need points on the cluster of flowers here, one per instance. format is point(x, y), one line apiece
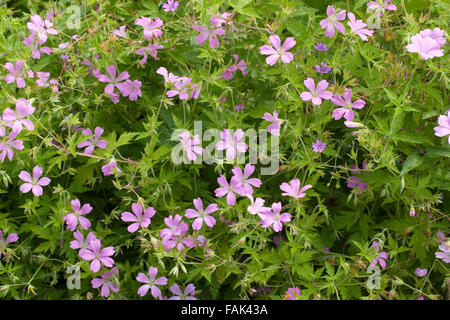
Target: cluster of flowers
point(213, 30)
point(241, 65)
point(381, 257)
point(152, 31)
point(127, 87)
point(179, 86)
point(39, 29)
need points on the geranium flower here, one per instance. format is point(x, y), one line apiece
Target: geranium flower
point(17, 121)
point(292, 189)
point(80, 242)
point(358, 27)
point(257, 206)
point(11, 238)
point(40, 27)
point(180, 241)
point(175, 226)
point(428, 43)
point(228, 189)
point(181, 88)
point(210, 33)
point(346, 103)
point(421, 272)
point(110, 168)
point(316, 95)
point(16, 73)
point(106, 282)
point(188, 293)
point(219, 19)
point(292, 294)
point(92, 142)
point(151, 283)
point(381, 6)
point(322, 68)
point(7, 146)
point(246, 183)
point(97, 255)
point(355, 182)
point(319, 146)
point(233, 144)
point(274, 128)
point(151, 49)
point(277, 51)
point(36, 50)
point(381, 258)
point(201, 215)
point(111, 79)
point(191, 145)
point(169, 78)
point(319, 46)
point(138, 219)
point(120, 32)
point(444, 126)
point(228, 73)
point(171, 5)
point(131, 89)
point(274, 218)
point(72, 219)
point(151, 27)
point(331, 22)
point(34, 183)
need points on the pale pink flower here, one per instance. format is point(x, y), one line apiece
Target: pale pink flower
point(19, 119)
point(201, 215)
point(246, 183)
point(228, 73)
point(169, 78)
point(151, 283)
point(175, 227)
point(36, 49)
point(219, 19)
point(188, 293)
point(346, 103)
point(191, 145)
point(13, 237)
point(331, 22)
point(319, 146)
point(120, 32)
point(228, 189)
point(130, 89)
point(208, 32)
point(93, 142)
point(80, 242)
point(72, 219)
point(151, 49)
point(444, 126)
point(278, 51)
point(34, 183)
point(233, 144)
point(97, 255)
point(16, 73)
point(151, 27)
point(274, 128)
point(171, 5)
point(435, 34)
point(113, 81)
point(381, 6)
point(111, 168)
point(421, 272)
point(106, 281)
point(358, 27)
point(182, 86)
point(292, 189)
point(257, 206)
point(316, 95)
point(40, 27)
point(7, 146)
point(426, 46)
point(274, 218)
point(138, 219)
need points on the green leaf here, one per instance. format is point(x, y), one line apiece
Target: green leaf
point(413, 161)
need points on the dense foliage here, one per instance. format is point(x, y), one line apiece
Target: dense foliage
point(98, 97)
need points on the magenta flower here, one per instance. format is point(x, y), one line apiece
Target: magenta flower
point(239, 107)
point(331, 22)
point(191, 145)
point(228, 189)
point(137, 218)
point(40, 27)
point(274, 128)
point(179, 240)
point(120, 32)
point(188, 294)
point(171, 5)
point(292, 293)
point(228, 73)
point(358, 27)
point(13, 237)
point(151, 283)
point(111, 79)
point(98, 255)
point(16, 73)
point(175, 227)
point(34, 184)
point(257, 206)
point(277, 50)
point(131, 89)
point(16, 121)
point(444, 126)
point(72, 219)
point(381, 258)
point(106, 281)
point(316, 95)
point(110, 168)
point(428, 43)
point(274, 217)
point(246, 183)
point(92, 142)
point(201, 215)
point(319, 46)
point(7, 146)
point(381, 6)
point(80, 242)
point(181, 88)
point(292, 189)
point(208, 32)
point(421, 272)
point(151, 50)
point(346, 103)
point(151, 27)
point(233, 144)
point(36, 49)
point(319, 146)
point(322, 68)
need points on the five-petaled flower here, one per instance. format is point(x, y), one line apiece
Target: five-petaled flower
point(208, 32)
point(277, 51)
point(97, 255)
point(190, 145)
point(151, 283)
point(138, 219)
point(316, 94)
point(358, 27)
point(246, 183)
point(201, 215)
point(346, 103)
point(16, 73)
point(92, 142)
point(444, 126)
point(228, 189)
point(274, 128)
point(34, 183)
point(292, 189)
point(233, 144)
point(72, 219)
point(151, 27)
point(319, 146)
point(331, 22)
point(188, 294)
point(106, 281)
point(274, 217)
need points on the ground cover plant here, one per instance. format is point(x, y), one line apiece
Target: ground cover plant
point(224, 149)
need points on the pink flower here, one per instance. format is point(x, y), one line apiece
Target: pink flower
point(111, 79)
point(72, 219)
point(16, 73)
point(151, 49)
point(201, 215)
point(98, 255)
point(181, 88)
point(435, 34)
point(277, 51)
point(137, 218)
point(257, 206)
point(444, 126)
point(151, 27)
point(210, 33)
point(16, 121)
point(110, 168)
point(319, 46)
point(316, 95)
point(381, 258)
point(219, 19)
point(36, 50)
point(120, 32)
point(292, 189)
point(34, 184)
point(421, 272)
point(228, 189)
point(292, 294)
point(274, 128)
point(188, 293)
point(92, 142)
point(381, 6)
point(331, 22)
point(355, 182)
point(274, 218)
point(169, 78)
point(80, 242)
point(358, 27)
point(171, 5)
point(131, 89)
point(151, 283)
point(319, 146)
point(346, 103)
point(233, 144)
point(228, 73)
point(245, 187)
point(191, 145)
point(428, 43)
point(106, 282)
point(175, 226)
point(40, 27)
point(7, 146)
point(13, 237)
